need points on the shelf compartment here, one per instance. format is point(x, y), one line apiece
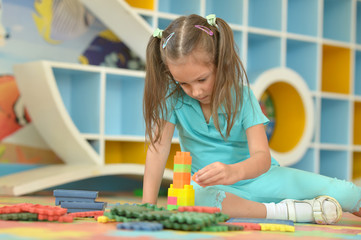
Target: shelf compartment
point(133, 152)
point(80, 92)
point(265, 14)
point(300, 23)
point(163, 23)
point(358, 23)
point(148, 4)
point(336, 69)
point(335, 164)
point(95, 144)
point(356, 124)
point(223, 10)
point(356, 170)
point(302, 57)
point(307, 162)
point(184, 7)
point(124, 105)
point(357, 81)
point(264, 53)
point(335, 121)
point(337, 20)
point(238, 38)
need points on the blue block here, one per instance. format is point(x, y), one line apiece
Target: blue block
point(58, 200)
point(73, 210)
point(141, 226)
point(261, 220)
point(84, 205)
point(75, 193)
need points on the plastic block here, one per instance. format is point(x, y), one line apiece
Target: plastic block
point(19, 216)
point(94, 214)
point(181, 179)
point(156, 215)
point(246, 226)
point(116, 218)
point(75, 193)
point(129, 211)
point(262, 220)
point(277, 227)
point(104, 219)
point(141, 226)
point(186, 196)
point(84, 205)
point(198, 209)
point(58, 200)
point(10, 209)
point(173, 192)
point(181, 226)
point(65, 218)
point(182, 168)
point(172, 207)
point(183, 158)
point(215, 228)
point(44, 210)
point(172, 201)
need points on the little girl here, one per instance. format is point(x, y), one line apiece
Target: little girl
point(195, 81)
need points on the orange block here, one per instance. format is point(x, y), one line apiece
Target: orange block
point(183, 158)
point(180, 179)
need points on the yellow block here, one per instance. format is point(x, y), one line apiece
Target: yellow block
point(277, 227)
point(336, 69)
point(290, 117)
point(132, 152)
point(186, 196)
point(147, 4)
point(357, 125)
point(173, 192)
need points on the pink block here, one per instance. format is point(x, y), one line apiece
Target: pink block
point(172, 200)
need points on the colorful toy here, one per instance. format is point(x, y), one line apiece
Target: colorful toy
point(78, 200)
point(141, 226)
point(181, 193)
point(263, 224)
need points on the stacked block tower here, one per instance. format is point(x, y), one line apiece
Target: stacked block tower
point(181, 193)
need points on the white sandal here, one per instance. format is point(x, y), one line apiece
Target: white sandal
point(317, 207)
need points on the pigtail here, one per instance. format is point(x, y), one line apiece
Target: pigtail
point(230, 79)
point(155, 90)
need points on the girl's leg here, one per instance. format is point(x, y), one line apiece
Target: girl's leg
point(236, 207)
point(281, 183)
point(303, 211)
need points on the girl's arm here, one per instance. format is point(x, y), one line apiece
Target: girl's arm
point(155, 164)
point(259, 162)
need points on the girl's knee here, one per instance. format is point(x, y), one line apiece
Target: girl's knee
point(347, 194)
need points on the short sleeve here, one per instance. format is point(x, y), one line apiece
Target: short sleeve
point(171, 116)
point(251, 112)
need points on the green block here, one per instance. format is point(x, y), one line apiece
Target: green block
point(182, 168)
point(172, 207)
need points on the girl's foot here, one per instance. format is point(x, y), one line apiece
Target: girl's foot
point(322, 210)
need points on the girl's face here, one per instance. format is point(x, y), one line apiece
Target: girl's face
point(195, 74)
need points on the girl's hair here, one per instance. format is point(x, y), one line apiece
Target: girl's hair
point(160, 85)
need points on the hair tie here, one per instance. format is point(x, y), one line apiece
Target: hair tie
point(158, 33)
point(211, 19)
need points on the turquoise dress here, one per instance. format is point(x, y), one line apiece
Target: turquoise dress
point(206, 146)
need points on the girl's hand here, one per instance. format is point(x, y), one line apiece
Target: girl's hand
point(216, 173)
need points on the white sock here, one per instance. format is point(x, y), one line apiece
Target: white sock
point(304, 211)
point(276, 211)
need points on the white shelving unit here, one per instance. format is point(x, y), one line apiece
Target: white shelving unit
point(319, 41)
